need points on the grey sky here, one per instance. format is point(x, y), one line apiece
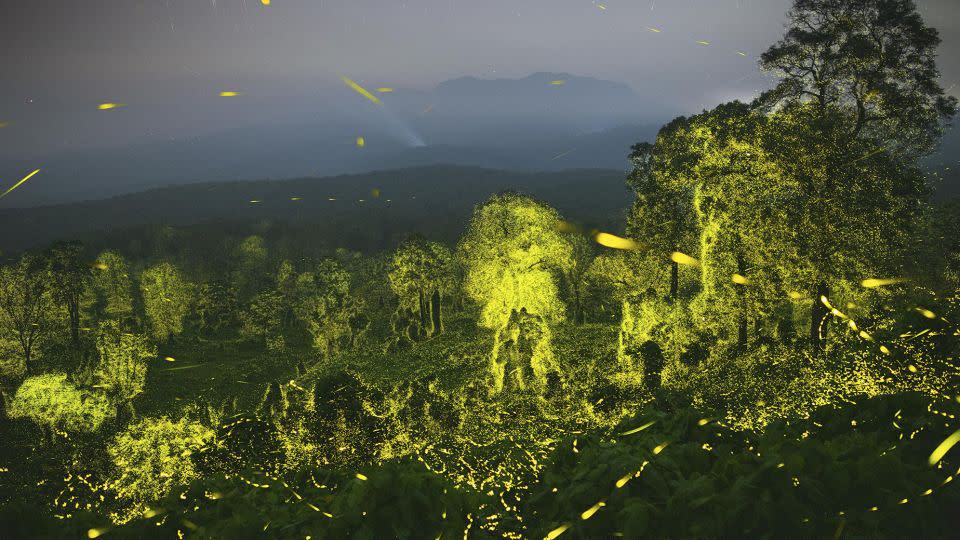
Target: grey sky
point(167, 59)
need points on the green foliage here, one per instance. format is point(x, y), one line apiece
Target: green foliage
point(112, 288)
point(687, 476)
point(122, 370)
point(875, 60)
point(70, 275)
point(26, 305)
point(514, 252)
point(395, 500)
point(331, 314)
point(418, 271)
point(263, 320)
point(216, 306)
point(167, 298)
point(52, 402)
point(155, 454)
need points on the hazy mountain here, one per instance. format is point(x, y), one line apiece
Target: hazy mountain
point(546, 121)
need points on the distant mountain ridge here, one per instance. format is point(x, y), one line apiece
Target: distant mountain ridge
point(364, 211)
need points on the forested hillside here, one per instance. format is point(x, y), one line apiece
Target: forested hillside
point(753, 333)
point(364, 212)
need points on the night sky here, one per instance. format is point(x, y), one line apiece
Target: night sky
point(166, 60)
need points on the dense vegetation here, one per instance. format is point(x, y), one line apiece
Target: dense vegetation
point(768, 349)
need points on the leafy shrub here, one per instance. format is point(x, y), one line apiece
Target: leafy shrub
point(155, 454)
point(55, 404)
point(795, 480)
point(399, 500)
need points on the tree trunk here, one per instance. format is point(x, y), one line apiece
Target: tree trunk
point(742, 326)
point(818, 313)
point(674, 280)
point(27, 364)
point(74, 309)
point(436, 313)
point(423, 311)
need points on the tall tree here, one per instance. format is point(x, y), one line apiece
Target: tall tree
point(263, 319)
point(574, 280)
point(661, 217)
point(166, 300)
point(873, 60)
point(420, 273)
point(514, 254)
point(26, 306)
point(122, 371)
point(862, 74)
point(326, 306)
point(69, 278)
point(112, 287)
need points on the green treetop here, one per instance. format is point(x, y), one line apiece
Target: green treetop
point(166, 300)
point(661, 217)
point(514, 254)
point(112, 287)
point(122, 371)
point(420, 273)
point(26, 305)
point(874, 61)
point(53, 403)
point(70, 276)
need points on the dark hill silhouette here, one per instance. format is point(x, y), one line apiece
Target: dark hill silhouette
point(434, 200)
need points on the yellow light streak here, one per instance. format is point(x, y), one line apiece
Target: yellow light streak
point(361, 90)
point(15, 186)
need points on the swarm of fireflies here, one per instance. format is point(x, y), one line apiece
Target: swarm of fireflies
point(654, 29)
point(229, 93)
point(384, 89)
point(108, 106)
point(558, 82)
point(740, 280)
point(361, 142)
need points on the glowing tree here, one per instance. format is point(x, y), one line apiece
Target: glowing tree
point(862, 77)
point(420, 273)
point(122, 371)
point(514, 254)
point(325, 305)
point(215, 306)
point(574, 281)
point(69, 278)
point(263, 320)
point(53, 403)
point(166, 300)
point(26, 306)
point(661, 217)
point(250, 274)
point(112, 289)
point(745, 236)
point(155, 454)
